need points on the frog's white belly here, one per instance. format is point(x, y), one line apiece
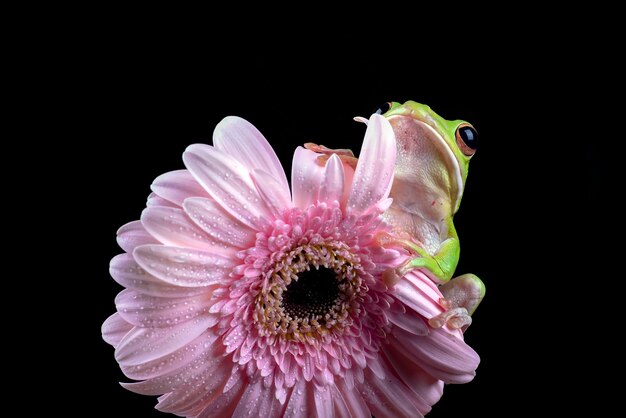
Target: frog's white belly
point(422, 232)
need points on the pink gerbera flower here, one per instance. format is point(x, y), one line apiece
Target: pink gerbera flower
point(245, 299)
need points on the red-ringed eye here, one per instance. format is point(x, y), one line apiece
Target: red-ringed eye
point(467, 139)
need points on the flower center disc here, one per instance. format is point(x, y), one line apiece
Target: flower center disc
point(313, 295)
point(310, 293)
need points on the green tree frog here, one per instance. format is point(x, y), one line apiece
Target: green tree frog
point(431, 169)
point(433, 156)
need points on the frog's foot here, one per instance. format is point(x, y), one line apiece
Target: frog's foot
point(454, 318)
point(461, 297)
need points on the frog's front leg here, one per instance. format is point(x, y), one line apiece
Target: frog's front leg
point(440, 266)
point(461, 297)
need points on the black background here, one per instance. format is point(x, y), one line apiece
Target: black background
point(139, 104)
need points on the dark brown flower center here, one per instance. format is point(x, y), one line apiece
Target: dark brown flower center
point(314, 294)
point(310, 293)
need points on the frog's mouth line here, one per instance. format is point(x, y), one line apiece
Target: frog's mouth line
point(435, 138)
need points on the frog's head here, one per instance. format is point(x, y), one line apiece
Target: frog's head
point(432, 150)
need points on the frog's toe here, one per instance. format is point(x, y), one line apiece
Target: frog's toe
point(455, 318)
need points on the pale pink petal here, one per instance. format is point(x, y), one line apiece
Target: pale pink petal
point(306, 177)
point(193, 393)
point(220, 225)
point(172, 226)
point(141, 345)
point(184, 267)
point(270, 407)
point(409, 321)
point(176, 186)
point(421, 383)
point(228, 183)
point(173, 361)
point(132, 235)
point(386, 258)
point(156, 200)
point(418, 292)
point(333, 182)
point(388, 398)
point(443, 355)
point(225, 404)
point(300, 401)
point(323, 402)
point(171, 381)
point(242, 141)
point(424, 283)
point(256, 401)
point(150, 311)
point(352, 400)
point(339, 406)
point(125, 270)
point(277, 198)
point(374, 171)
point(114, 329)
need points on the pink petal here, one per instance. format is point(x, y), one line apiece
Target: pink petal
point(228, 183)
point(242, 141)
point(184, 267)
point(141, 345)
point(156, 200)
point(125, 270)
point(276, 197)
point(416, 291)
point(409, 321)
point(176, 186)
point(256, 401)
point(269, 407)
point(441, 354)
point(193, 393)
point(114, 329)
point(234, 338)
point(427, 387)
point(301, 402)
point(220, 225)
point(173, 227)
point(171, 381)
point(323, 402)
point(175, 360)
point(377, 366)
point(352, 400)
point(306, 176)
point(374, 171)
point(132, 235)
point(150, 311)
point(333, 182)
point(388, 398)
point(424, 283)
point(225, 404)
point(339, 406)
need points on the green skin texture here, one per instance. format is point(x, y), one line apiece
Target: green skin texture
point(463, 294)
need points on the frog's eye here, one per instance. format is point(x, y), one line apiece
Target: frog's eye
point(384, 108)
point(467, 139)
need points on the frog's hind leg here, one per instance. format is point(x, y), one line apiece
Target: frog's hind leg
point(461, 297)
